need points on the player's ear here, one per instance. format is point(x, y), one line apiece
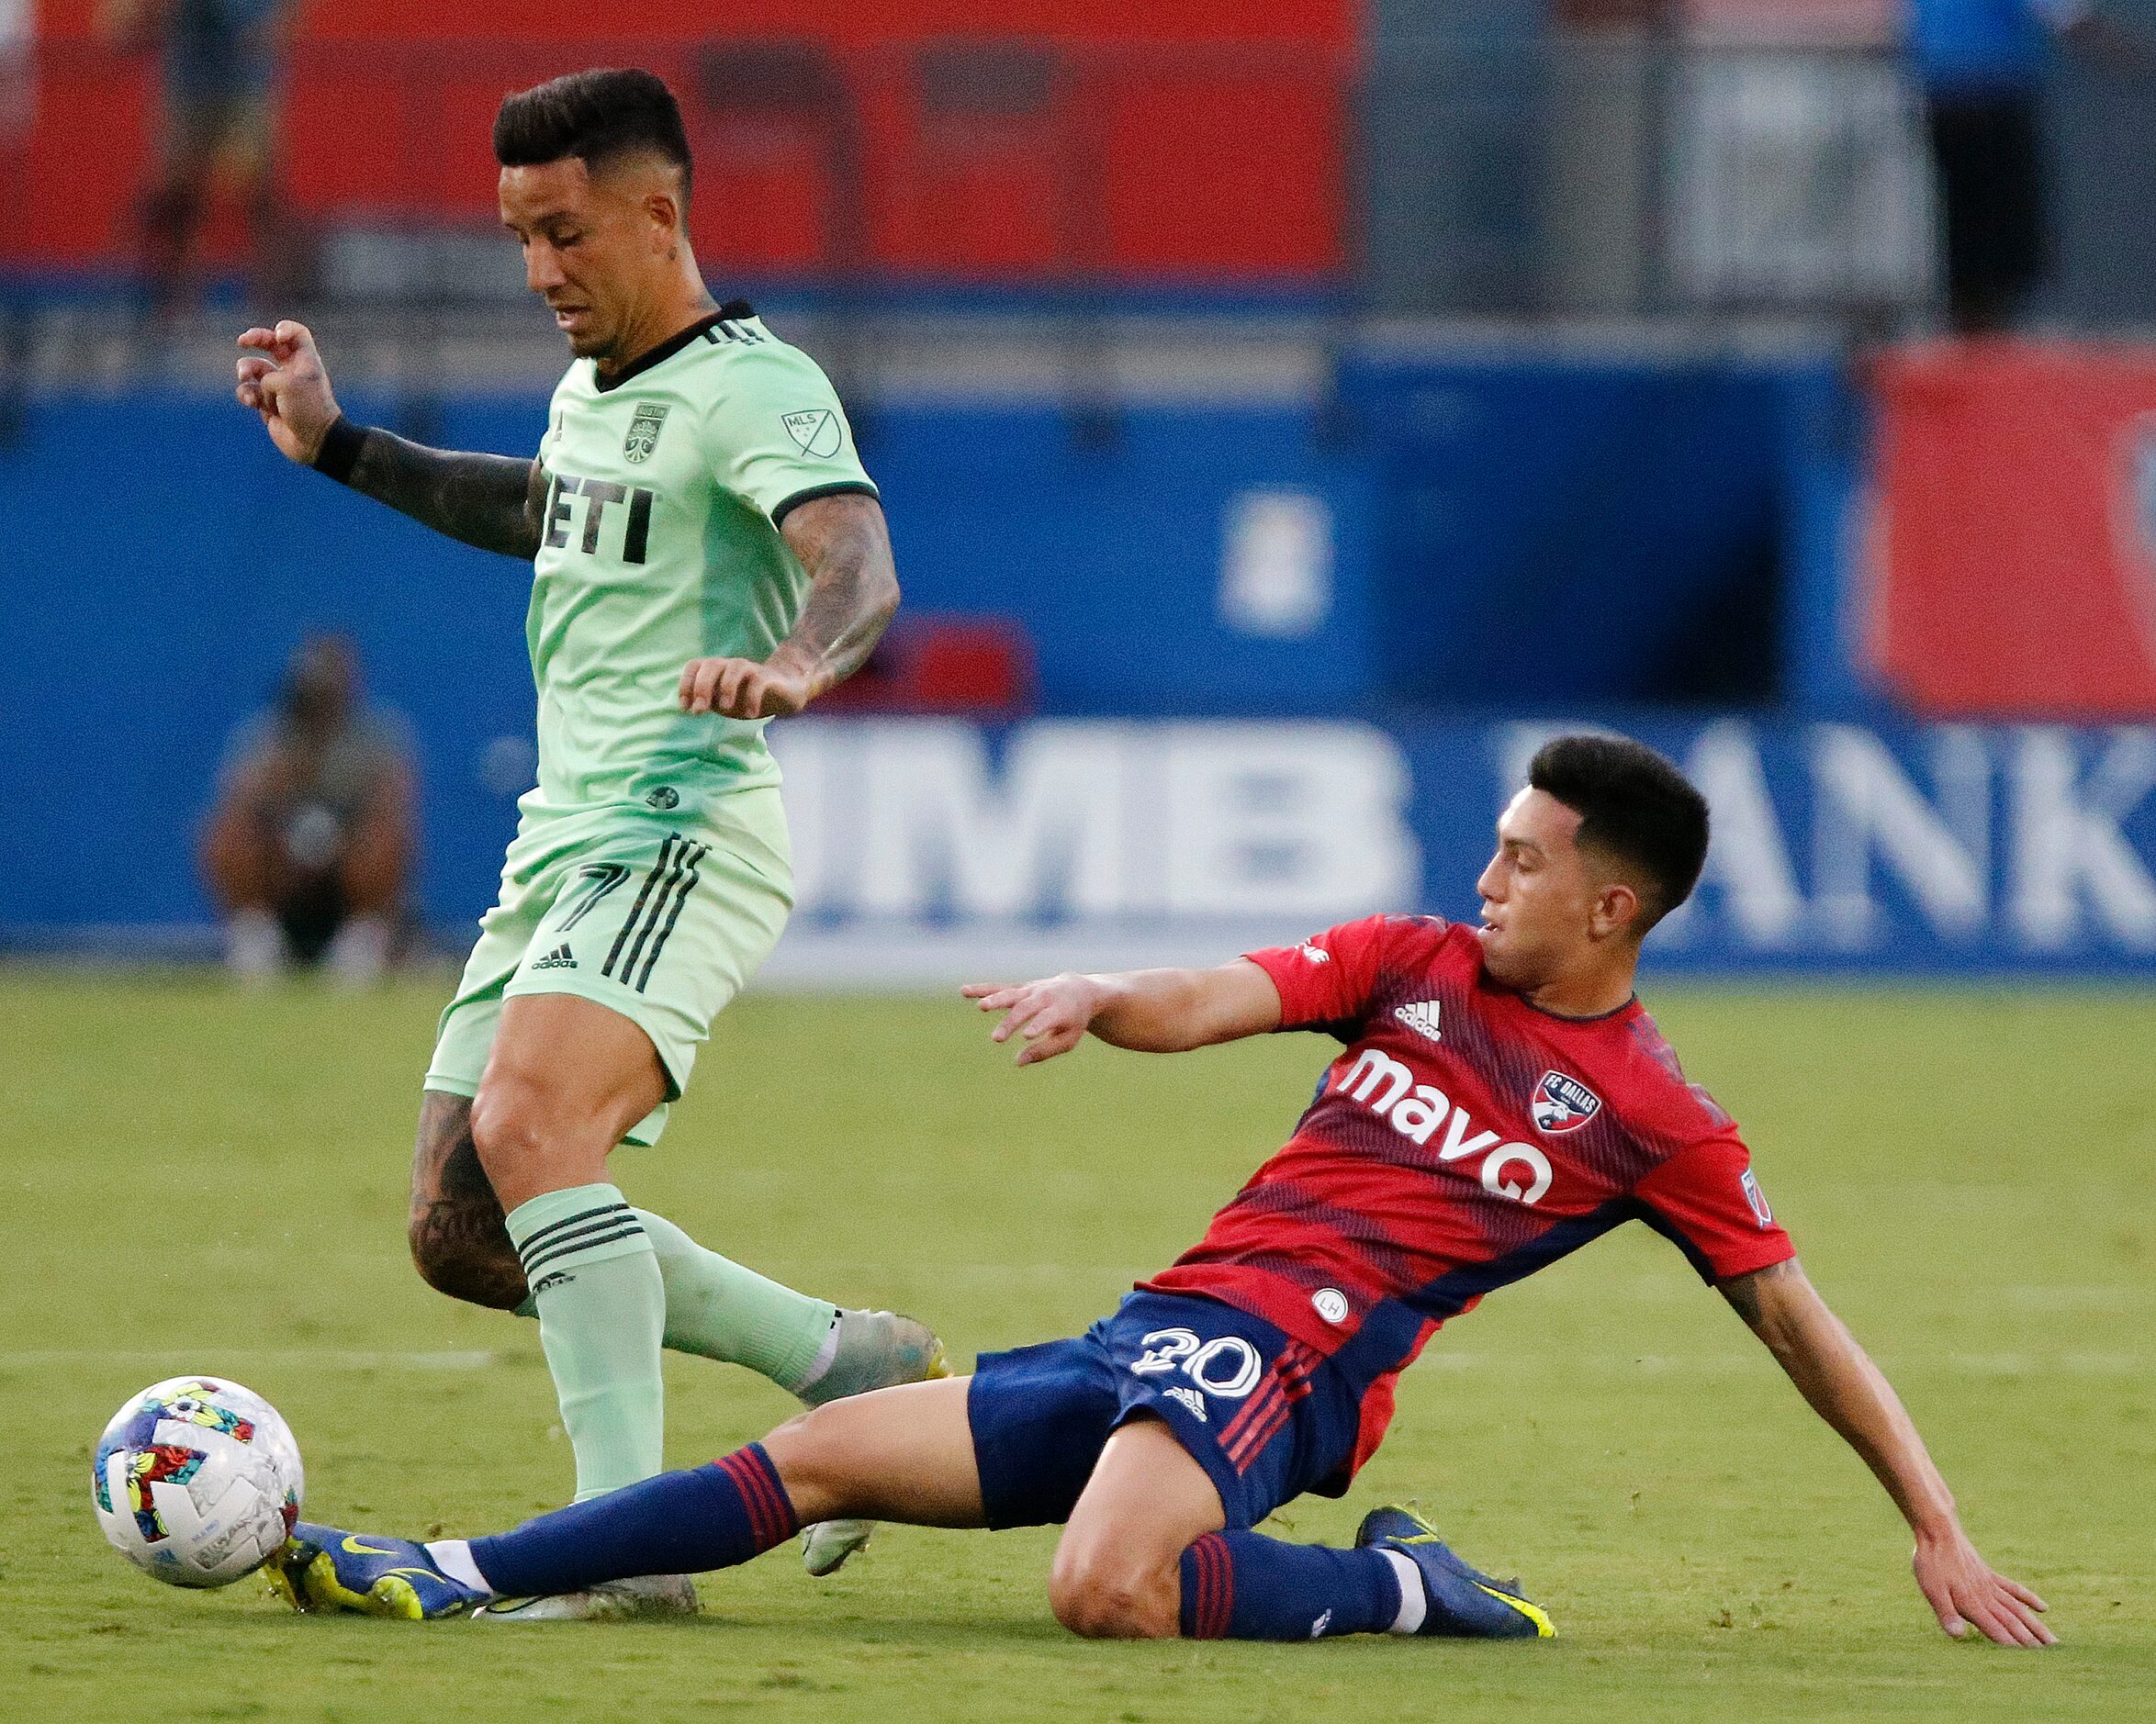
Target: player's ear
point(1616, 910)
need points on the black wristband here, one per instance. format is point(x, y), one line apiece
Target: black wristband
point(340, 450)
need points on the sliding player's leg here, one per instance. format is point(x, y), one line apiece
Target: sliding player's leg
point(1148, 1556)
point(904, 1454)
point(1219, 1418)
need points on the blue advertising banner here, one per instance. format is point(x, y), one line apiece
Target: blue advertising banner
point(928, 849)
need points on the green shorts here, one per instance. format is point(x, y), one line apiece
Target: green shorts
point(662, 920)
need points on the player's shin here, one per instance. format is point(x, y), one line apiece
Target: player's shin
point(601, 1305)
point(676, 1523)
point(1244, 1586)
point(722, 1310)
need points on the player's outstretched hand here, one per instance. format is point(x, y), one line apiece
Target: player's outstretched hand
point(281, 377)
point(743, 688)
point(1966, 1592)
point(1051, 1018)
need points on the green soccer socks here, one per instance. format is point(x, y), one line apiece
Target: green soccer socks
point(602, 1304)
point(721, 1310)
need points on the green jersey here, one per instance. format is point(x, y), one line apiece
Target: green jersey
point(664, 489)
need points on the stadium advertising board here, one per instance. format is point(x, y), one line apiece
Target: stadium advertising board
point(928, 849)
point(2016, 548)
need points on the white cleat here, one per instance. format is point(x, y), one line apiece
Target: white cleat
point(825, 1545)
point(611, 1601)
point(875, 1349)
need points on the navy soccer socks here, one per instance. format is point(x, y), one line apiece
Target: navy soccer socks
point(705, 1517)
point(1245, 1586)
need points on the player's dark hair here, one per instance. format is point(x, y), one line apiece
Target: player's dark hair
point(1634, 808)
point(595, 115)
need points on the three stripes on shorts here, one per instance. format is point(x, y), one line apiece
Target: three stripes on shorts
point(657, 908)
point(605, 1224)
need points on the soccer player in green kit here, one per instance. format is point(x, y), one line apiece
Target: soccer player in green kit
point(708, 554)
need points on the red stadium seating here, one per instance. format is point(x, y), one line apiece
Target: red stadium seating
point(1028, 141)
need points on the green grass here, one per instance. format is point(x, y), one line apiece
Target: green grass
point(193, 1180)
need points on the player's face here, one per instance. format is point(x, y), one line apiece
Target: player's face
point(1539, 896)
point(591, 249)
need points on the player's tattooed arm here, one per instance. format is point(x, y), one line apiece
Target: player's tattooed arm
point(1850, 1392)
point(844, 548)
point(496, 502)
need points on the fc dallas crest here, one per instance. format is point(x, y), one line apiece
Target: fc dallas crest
point(1562, 1103)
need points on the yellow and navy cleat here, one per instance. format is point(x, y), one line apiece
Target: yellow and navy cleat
point(321, 1568)
point(1464, 1603)
point(872, 1350)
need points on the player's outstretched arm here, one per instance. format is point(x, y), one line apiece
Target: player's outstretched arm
point(1847, 1390)
point(844, 548)
point(1154, 1011)
point(494, 502)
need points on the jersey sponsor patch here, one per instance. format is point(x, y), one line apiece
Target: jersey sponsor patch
point(815, 430)
point(1562, 1103)
point(642, 441)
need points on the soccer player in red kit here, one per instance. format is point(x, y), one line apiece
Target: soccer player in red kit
point(1503, 1099)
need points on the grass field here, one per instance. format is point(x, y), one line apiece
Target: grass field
point(196, 1180)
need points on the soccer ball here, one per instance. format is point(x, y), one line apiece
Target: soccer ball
point(197, 1480)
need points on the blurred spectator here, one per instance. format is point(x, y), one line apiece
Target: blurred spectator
point(18, 35)
point(218, 63)
point(307, 848)
point(1981, 64)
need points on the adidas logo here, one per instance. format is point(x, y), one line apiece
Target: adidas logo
point(559, 958)
point(1422, 1018)
point(1190, 1398)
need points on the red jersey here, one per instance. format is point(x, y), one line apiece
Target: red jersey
point(1465, 1139)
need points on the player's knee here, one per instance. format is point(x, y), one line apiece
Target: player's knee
point(511, 1116)
point(1105, 1597)
point(816, 1465)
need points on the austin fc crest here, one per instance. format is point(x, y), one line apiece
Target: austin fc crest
point(1562, 1103)
point(644, 429)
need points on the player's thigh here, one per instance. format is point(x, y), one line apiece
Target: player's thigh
point(565, 1081)
point(903, 1453)
point(1146, 1501)
point(663, 926)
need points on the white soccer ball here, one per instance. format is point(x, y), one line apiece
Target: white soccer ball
point(196, 1481)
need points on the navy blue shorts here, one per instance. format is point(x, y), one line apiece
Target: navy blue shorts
point(1266, 1415)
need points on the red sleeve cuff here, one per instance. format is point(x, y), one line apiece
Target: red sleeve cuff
point(1291, 979)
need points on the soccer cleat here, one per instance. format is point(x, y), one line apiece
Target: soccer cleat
point(875, 1349)
point(323, 1568)
point(1463, 1602)
point(609, 1601)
